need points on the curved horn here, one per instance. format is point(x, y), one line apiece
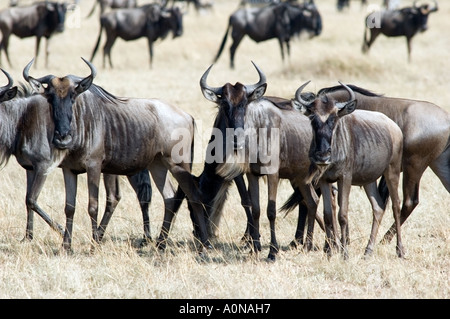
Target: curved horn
point(27, 77)
point(262, 80)
point(298, 95)
point(350, 91)
point(203, 85)
point(92, 67)
point(10, 81)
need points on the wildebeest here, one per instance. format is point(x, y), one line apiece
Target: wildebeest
point(121, 136)
point(26, 133)
point(264, 137)
point(113, 4)
point(353, 147)
point(41, 19)
point(426, 139)
point(151, 21)
point(393, 23)
point(341, 4)
point(279, 21)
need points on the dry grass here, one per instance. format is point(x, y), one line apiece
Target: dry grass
point(119, 270)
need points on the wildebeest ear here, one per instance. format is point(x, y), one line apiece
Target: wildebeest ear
point(84, 84)
point(9, 94)
point(346, 107)
point(258, 92)
point(210, 95)
point(300, 107)
point(36, 85)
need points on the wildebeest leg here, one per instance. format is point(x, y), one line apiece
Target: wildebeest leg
point(311, 200)
point(392, 181)
point(253, 192)
point(143, 188)
point(4, 45)
point(46, 51)
point(166, 189)
point(237, 38)
point(441, 167)
point(329, 217)
point(280, 41)
point(408, 44)
point(150, 50)
point(93, 179)
point(272, 184)
point(70, 184)
point(374, 33)
point(38, 43)
point(35, 182)
point(378, 210)
point(251, 232)
point(110, 39)
point(113, 197)
point(410, 185)
point(343, 196)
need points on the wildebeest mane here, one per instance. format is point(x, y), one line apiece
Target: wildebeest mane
point(353, 87)
point(100, 92)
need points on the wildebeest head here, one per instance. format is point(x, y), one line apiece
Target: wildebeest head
point(324, 114)
point(169, 19)
point(7, 92)
point(419, 14)
point(233, 100)
point(56, 14)
point(61, 93)
point(311, 18)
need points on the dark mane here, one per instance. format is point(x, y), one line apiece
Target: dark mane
point(100, 92)
point(279, 102)
point(353, 87)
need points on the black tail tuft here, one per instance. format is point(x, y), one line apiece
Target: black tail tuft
point(384, 191)
point(292, 201)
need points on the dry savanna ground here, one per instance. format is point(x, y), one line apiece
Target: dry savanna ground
point(117, 269)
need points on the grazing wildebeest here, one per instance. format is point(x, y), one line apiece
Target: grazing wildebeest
point(26, 133)
point(279, 21)
point(121, 136)
point(353, 147)
point(151, 21)
point(252, 125)
point(41, 19)
point(112, 4)
point(426, 140)
point(341, 4)
point(394, 23)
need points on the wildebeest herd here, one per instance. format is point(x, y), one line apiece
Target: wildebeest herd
point(313, 140)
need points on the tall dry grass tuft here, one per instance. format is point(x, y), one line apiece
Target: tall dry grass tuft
point(119, 269)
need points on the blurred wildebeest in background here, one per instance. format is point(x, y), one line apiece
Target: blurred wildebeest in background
point(393, 23)
point(152, 21)
point(341, 4)
point(198, 5)
point(343, 139)
point(279, 21)
point(112, 4)
point(41, 19)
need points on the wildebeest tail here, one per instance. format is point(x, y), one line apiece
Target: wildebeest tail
point(292, 201)
point(93, 9)
point(383, 191)
point(98, 41)
point(223, 43)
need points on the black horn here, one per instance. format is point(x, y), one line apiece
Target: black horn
point(27, 77)
point(262, 80)
point(10, 81)
point(92, 67)
point(351, 98)
point(298, 95)
point(204, 85)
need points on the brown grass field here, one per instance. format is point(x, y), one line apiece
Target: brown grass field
point(117, 269)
